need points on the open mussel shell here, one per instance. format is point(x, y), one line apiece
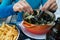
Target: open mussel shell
point(52, 17)
point(29, 17)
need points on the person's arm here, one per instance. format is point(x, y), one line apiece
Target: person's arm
point(6, 2)
point(6, 11)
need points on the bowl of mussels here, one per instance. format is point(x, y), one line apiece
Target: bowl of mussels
point(40, 22)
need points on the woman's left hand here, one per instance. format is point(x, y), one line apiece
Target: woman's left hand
point(50, 5)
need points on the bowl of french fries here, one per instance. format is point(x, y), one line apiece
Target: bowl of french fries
point(9, 32)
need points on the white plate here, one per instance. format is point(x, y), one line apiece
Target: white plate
point(30, 34)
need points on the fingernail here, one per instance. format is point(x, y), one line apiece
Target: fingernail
point(43, 9)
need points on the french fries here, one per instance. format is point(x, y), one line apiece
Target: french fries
point(8, 32)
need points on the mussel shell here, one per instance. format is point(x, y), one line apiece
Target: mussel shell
point(47, 17)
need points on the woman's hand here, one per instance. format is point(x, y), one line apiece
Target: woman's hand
point(50, 5)
point(22, 6)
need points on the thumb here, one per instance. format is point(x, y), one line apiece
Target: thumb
point(45, 6)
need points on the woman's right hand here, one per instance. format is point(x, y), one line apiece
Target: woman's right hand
point(22, 6)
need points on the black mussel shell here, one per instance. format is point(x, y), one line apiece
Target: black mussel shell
point(27, 20)
point(33, 20)
point(35, 12)
point(41, 18)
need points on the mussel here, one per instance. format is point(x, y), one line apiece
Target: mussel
point(40, 17)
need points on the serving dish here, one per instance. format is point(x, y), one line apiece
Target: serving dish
point(9, 30)
point(39, 28)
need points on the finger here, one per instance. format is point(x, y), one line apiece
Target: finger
point(52, 1)
point(24, 5)
point(47, 5)
point(21, 8)
point(31, 11)
point(54, 8)
point(27, 7)
point(28, 10)
point(53, 5)
point(15, 7)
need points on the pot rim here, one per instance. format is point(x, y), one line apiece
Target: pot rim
point(51, 24)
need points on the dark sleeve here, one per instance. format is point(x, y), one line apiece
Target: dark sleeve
point(6, 11)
